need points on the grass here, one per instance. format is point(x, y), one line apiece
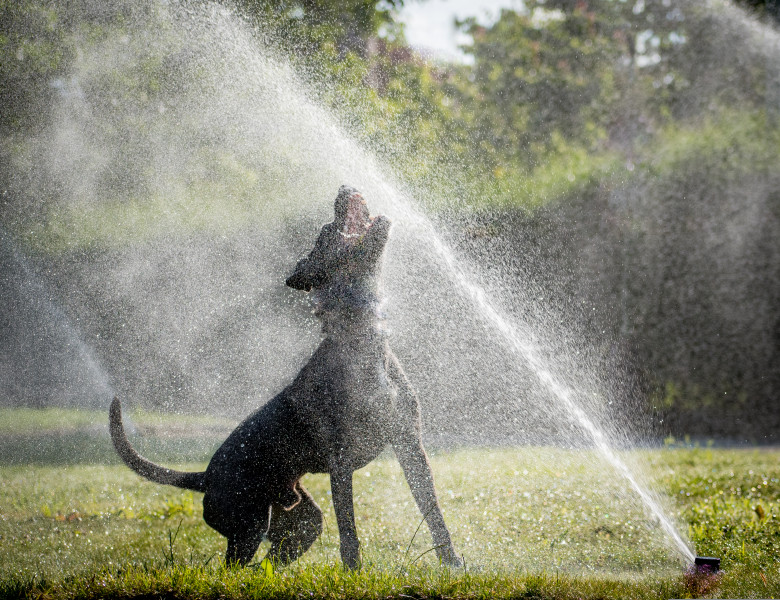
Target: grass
point(44, 421)
point(530, 522)
point(59, 436)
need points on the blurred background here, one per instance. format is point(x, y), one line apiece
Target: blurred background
point(608, 167)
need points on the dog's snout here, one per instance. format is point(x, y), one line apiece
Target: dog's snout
point(347, 191)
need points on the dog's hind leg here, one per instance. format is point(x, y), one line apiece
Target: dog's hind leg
point(293, 531)
point(241, 547)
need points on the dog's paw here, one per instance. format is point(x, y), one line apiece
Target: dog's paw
point(350, 557)
point(455, 563)
point(448, 557)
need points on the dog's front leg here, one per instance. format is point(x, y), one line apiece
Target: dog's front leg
point(417, 470)
point(408, 446)
point(341, 488)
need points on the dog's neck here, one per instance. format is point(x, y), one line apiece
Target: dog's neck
point(349, 308)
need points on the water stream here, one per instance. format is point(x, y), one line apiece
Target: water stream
point(522, 346)
point(526, 351)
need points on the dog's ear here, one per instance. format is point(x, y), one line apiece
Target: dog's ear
point(300, 279)
point(377, 238)
point(313, 271)
point(309, 273)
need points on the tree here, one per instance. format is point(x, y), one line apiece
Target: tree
point(770, 8)
point(539, 75)
point(32, 53)
point(308, 24)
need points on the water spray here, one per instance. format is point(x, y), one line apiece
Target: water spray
point(320, 145)
point(526, 350)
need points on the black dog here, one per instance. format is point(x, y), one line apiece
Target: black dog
point(349, 402)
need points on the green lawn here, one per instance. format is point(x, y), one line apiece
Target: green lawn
point(530, 522)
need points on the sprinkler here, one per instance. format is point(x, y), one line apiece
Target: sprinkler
point(703, 576)
point(707, 564)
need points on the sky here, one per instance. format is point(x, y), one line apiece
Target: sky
point(430, 28)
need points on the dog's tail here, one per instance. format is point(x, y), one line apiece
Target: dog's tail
point(146, 468)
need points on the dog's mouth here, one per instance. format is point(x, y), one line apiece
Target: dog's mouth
point(358, 220)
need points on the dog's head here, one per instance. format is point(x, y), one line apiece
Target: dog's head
point(346, 257)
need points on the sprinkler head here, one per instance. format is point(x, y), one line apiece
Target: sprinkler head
point(708, 564)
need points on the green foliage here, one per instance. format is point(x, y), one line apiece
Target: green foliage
point(537, 75)
point(569, 172)
point(731, 141)
point(32, 52)
point(770, 8)
point(552, 87)
point(613, 80)
point(702, 186)
point(308, 25)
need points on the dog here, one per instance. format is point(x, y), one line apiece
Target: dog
point(350, 401)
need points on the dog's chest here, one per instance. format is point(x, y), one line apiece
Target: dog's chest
point(362, 406)
point(368, 398)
